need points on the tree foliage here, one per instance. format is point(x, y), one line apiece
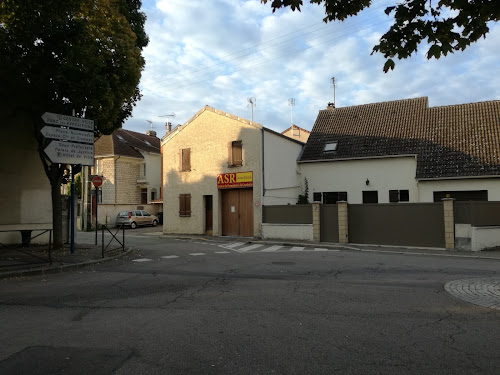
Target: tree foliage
point(446, 25)
point(62, 56)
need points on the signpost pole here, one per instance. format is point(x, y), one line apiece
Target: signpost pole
point(96, 205)
point(72, 211)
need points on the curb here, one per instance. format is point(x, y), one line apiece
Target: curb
point(60, 269)
point(401, 250)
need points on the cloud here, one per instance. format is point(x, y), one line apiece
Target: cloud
point(225, 51)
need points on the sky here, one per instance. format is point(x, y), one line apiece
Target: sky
point(222, 52)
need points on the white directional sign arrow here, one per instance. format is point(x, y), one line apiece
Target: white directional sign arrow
point(69, 121)
point(70, 153)
point(67, 134)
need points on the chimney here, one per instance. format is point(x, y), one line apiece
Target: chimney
point(168, 127)
point(330, 105)
point(151, 133)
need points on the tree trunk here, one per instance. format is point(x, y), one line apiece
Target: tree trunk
point(55, 189)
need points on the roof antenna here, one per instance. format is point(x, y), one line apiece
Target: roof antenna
point(333, 82)
point(252, 102)
point(151, 126)
point(291, 103)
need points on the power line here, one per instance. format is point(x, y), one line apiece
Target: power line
point(221, 61)
point(272, 59)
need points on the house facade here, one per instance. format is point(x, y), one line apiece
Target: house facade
point(404, 151)
point(218, 171)
point(297, 133)
point(130, 164)
point(25, 194)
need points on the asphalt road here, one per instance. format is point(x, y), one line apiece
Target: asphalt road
point(201, 307)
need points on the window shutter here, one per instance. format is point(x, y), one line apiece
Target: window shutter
point(404, 196)
point(184, 204)
point(186, 159)
point(237, 153)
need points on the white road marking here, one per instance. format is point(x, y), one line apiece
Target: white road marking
point(233, 245)
point(222, 252)
point(297, 248)
point(271, 249)
point(142, 260)
point(197, 254)
point(323, 249)
point(248, 248)
point(170, 256)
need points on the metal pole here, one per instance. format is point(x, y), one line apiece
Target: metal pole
point(72, 211)
point(96, 205)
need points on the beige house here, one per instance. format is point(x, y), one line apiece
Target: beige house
point(218, 171)
point(130, 164)
point(297, 133)
point(25, 196)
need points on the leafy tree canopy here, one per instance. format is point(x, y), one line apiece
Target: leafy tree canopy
point(446, 25)
point(64, 55)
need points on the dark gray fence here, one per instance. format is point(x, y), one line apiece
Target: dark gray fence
point(329, 229)
point(477, 213)
point(400, 224)
point(296, 214)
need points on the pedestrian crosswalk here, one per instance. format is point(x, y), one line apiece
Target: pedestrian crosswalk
point(244, 247)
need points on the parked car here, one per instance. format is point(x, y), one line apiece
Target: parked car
point(136, 218)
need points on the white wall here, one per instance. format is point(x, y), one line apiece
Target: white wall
point(427, 188)
point(384, 174)
point(153, 172)
point(301, 232)
point(281, 182)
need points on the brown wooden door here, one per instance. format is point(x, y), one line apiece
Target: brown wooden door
point(237, 212)
point(246, 212)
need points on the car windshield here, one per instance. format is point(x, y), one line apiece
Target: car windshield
point(145, 213)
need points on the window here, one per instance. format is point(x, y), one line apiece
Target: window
point(144, 196)
point(145, 213)
point(316, 197)
point(399, 196)
point(184, 204)
point(98, 167)
point(185, 159)
point(370, 196)
point(236, 154)
point(334, 197)
point(464, 195)
point(143, 169)
point(330, 146)
point(153, 194)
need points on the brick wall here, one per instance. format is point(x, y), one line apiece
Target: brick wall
point(127, 172)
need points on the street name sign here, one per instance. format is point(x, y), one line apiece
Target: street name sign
point(70, 153)
point(68, 134)
point(69, 121)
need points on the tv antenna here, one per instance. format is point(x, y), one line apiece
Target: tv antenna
point(151, 127)
point(333, 82)
point(291, 103)
point(252, 102)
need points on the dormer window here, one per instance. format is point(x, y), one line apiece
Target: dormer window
point(330, 146)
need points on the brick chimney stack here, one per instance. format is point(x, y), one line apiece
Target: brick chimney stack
point(151, 133)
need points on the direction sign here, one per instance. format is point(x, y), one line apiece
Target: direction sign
point(70, 153)
point(67, 134)
point(69, 121)
point(97, 181)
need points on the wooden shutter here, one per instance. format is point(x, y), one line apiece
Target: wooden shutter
point(185, 159)
point(184, 204)
point(237, 152)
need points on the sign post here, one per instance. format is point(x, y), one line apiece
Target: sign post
point(97, 181)
point(72, 142)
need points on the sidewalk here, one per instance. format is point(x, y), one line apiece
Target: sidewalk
point(34, 260)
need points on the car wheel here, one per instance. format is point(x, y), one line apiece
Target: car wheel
point(155, 223)
point(133, 225)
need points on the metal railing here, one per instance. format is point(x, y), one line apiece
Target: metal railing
point(114, 237)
